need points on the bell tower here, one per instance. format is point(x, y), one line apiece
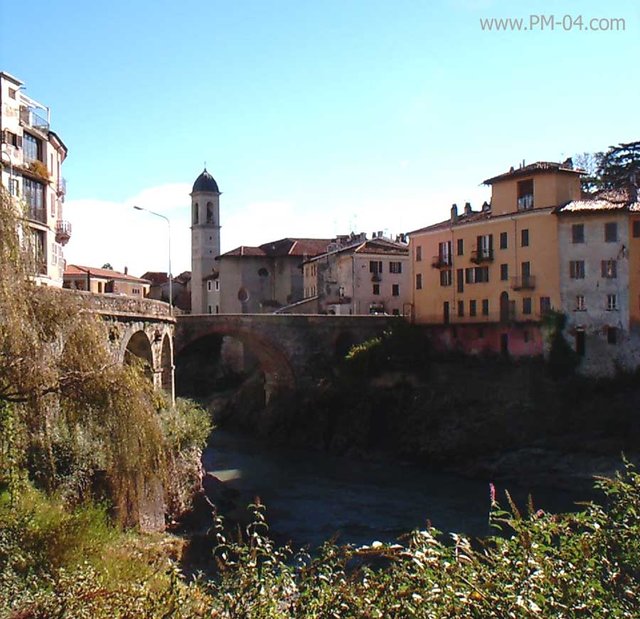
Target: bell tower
point(205, 243)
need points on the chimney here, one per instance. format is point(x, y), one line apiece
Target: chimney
point(454, 213)
point(467, 208)
point(486, 206)
point(126, 270)
point(373, 235)
point(568, 163)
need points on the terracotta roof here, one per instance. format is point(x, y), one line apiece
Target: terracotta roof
point(372, 246)
point(282, 247)
point(534, 168)
point(474, 216)
point(156, 277)
point(74, 270)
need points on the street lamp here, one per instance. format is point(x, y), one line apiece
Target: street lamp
point(173, 368)
point(140, 208)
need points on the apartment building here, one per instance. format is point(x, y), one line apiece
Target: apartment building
point(32, 155)
point(103, 281)
point(492, 273)
point(599, 252)
point(359, 276)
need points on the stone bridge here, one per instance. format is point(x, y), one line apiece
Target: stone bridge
point(288, 347)
point(137, 327)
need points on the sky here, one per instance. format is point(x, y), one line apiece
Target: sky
point(315, 118)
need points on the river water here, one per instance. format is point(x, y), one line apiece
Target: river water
point(312, 496)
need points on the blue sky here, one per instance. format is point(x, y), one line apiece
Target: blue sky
point(315, 118)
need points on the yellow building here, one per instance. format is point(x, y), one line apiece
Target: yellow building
point(496, 266)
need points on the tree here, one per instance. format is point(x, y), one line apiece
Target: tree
point(589, 162)
point(107, 266)
point(619, 167)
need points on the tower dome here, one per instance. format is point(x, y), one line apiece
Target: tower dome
point(205, 183)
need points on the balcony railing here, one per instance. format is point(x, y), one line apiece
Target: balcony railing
point(30, 118)
point(62, 187)
point(441, 262)
point(63, 231)
point(376, 277)
point(523, 282)
point(525, 202)
point(478, 256)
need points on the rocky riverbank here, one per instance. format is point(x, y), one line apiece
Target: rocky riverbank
point(482, 418)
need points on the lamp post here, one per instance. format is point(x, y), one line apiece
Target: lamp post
point(173, 383)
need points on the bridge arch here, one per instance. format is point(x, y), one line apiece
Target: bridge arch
point(138, 346)
point(272, 358)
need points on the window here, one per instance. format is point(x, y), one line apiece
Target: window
point(444, 253)
point(208, 309)
point(461, 308)
point(609, 269)
point(485, 307)
point(580, 304)
point(612, 335)
point(526, 305)
point(395, 290)
point(375, 266)
point(484, 247)
point(636, 228)
point(476, 275)
point(445, 278)
point(503, 240)
point(376, 289)
point(395, 267)
point(14, 187)
point(195, 213)
point(32, 148)
point(524, 237)
point(611, 232)
point(209, 285)
point(12, 93)
point(209, 212)
point(100, 287)
point(460, 247)
point(580, 342)
point(419, 281)
point(612, 302)
point(472, 307)
point(418, 253)
point(460, 279)
point(217, 309)
point(525, 195)
point(576, 269)
point(577, 233)
point(504, 272)
point(545, 305)
point(34, 197)
point(217, 285)
point(525, 270)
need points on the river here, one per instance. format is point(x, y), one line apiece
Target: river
point(312, 496)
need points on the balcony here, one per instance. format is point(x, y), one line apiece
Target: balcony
point(61, 187)
point(30, 118)
point(376, 277)
point(63, 231)
point(441, 262)
point(525, 202)
point(481, 255)
point(523, 282)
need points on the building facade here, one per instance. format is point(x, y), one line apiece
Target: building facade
point(32, 156)
point(105, 281)
point(266, 278)
point(205, 240)
point(359, 276)
point(498, 266)
point(599, 241)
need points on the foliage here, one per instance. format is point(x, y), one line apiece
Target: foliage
point(616, 168)
point(402, 347)
point(562, 359)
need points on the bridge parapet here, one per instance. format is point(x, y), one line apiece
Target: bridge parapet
point(123, 306)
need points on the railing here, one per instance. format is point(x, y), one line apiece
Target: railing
point(30, 118)
point(523, 282)
point(63, 231)
point(478, 256)
point(441, 262)
point(525, 202)
point(376, 277)
point(62, 187)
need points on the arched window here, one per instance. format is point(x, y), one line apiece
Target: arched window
point(209, 212)
point(195, 213)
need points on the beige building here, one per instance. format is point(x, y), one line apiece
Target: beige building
point(103, 281)
point(32, 156)
point(359, 276)
point(253, 280)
